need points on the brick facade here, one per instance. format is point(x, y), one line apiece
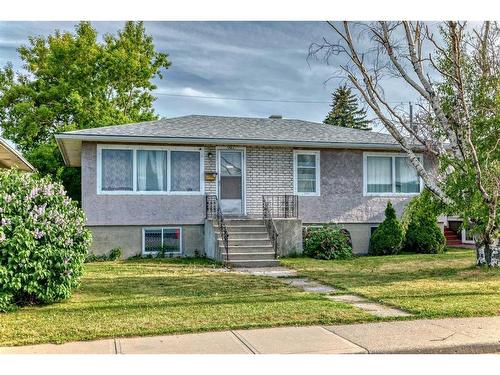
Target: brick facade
point(269, 170)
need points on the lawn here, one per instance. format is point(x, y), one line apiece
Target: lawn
point(150, 296)
point(445, 285)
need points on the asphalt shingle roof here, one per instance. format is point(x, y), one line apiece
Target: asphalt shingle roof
point(241, 129)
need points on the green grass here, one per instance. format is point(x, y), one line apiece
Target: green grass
point(149, 297)
point(444, 285)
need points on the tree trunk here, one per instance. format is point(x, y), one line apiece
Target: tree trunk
point(488, 253)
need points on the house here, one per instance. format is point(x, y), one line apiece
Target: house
point(234, 188)
point(11, 158)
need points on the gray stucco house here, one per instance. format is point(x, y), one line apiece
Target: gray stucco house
point(233, 188)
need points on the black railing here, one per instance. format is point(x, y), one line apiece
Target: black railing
point(267, 216)
point(215, 213)
point(283, 206)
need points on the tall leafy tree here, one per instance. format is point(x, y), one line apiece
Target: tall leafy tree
point(457, 77)
point(75, 81)
point(346, 111)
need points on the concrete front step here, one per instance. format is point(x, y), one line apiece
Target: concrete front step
point(246, 235)
point(245, 228)
point(244, 222)
point(249, 256)
point(247, 242)
point(249, 248)
point(253, 263)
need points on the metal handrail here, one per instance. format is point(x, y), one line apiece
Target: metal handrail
point(283, 205)
point(270, 226)
point(213, 211)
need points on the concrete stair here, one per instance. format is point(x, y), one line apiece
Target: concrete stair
point(452, 238)
point(249, 244)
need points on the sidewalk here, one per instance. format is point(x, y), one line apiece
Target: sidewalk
point(457, 335)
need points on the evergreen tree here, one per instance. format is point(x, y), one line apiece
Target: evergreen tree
point(345, 111)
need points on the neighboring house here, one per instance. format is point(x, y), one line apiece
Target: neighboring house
point(11, 158)
point(159, 185)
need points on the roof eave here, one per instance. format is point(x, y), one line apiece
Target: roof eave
point(60, 138)
point(26, 165)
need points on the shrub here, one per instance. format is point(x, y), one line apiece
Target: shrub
point(113, 254)
point(327, 242)
point(388, 237)
point(423, 234)
point(43, 242)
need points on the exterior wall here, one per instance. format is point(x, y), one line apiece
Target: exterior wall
point(129, 239)
point(289, 236)
point(341, 198)
point(116, 220)
point(134, 209)
point(269, 170)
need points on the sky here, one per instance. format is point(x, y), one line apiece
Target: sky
point(246, 60)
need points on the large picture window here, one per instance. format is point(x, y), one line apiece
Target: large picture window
point(149, 170)
point(306, 172)
point(390, 174)
point(167, 240)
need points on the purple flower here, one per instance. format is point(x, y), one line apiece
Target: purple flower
point(39, 210)
point(48, 190)
point(33, 193)
point(7, 198)
point(37, 234)
point(5, 221)
point(68, 242)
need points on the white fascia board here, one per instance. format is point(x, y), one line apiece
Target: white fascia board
point(226, 141)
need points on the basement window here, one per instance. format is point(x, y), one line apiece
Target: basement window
point(167, 240)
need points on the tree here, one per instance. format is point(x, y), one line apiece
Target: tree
point(345, 111)
point(419, 222)
point(73, 81)
point(456, 75)
point(388, 237)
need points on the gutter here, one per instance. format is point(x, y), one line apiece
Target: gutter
point(221, 141)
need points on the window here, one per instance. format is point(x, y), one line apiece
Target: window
point(168, 240)
point(149, 170)
point(185, 169)
point(390, 175)
point(117, 170)
point(152, 170)
point(306, 172)
point(407, 180)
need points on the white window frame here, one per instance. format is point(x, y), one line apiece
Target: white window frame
point(144, 229)
point(135, 148)
point(393, 156)
point(296, 153)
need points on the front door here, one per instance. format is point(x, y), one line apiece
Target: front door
point(231, 181)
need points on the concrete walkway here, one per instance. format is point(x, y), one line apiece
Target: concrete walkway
point(464, 335)
point(289, 276)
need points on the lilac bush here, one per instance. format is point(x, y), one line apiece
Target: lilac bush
point(43, 241)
